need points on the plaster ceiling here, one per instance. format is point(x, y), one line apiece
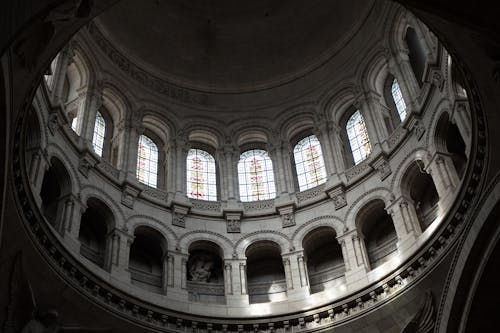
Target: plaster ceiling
point(231, 45)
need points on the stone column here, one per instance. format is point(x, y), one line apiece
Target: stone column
point(354, 260)
point(243, 279)
point(461, 117)
point(90, 100)
point(405, 223)
point(304, 280)
point(228, 277)
point(274, 151)
point(129, 132)
point(444, 175)
point(65, 58)
point(230, 171)
point(235, 276)
point(401, 68)
point(337, 148)
point(364, 105)
point(286, 152)
point(288, 274)
point(322, 132)
point(177, 275)
point(167, 272)
point(181, 148)
point(117, 258)
point(73, 212)
point(39, 165)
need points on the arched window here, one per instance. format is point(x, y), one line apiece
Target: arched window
point(74, 124)
point(309, 163)
point(147, 161)
point(49, 75)
point(397, 96)
point(99, 132)
point(201, 175)
point(255, 174)
point(358, 137)
point(416, 54)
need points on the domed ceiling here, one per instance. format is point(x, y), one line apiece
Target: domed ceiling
point(228, 45)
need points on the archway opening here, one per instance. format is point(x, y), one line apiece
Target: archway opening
point(96, 222)
point(265, 272)
point(377, 230)
point(56, 186)
point(146, 263)
point(419, 186)
point(205, 275)
point(325, 263)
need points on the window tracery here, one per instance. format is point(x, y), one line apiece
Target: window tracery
point(201, 175)
point(255, 175)
point(309, 163)
point(147, 161)
point(358, 137)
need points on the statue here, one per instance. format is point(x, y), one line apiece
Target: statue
point(201, 268)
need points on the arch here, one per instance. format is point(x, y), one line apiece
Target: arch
point(54, 150)
point(251, 136)
point(136, 221)
point(277, 237)
point(146, 259)
point(265, 272)
point(376, 228)
point(204, 136)
point(185, 241)
point(448, 139)
point(381, 193)
point(95, 224)
point(56, 187)
point(329, 221)
point(205, 272)
point(324, 258)
point(89, 191)
point(419, 186)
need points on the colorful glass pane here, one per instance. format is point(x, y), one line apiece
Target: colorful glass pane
point(309, 163)
point(358, 137)
point(255, 175)
point(147, 161)
point(201, 175)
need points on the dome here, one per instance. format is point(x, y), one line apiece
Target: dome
point(227, 46)
point(265, 166)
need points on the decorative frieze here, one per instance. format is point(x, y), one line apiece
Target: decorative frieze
point(337, 194)
point(179, 213)
point(310, 193)
point(287, 214)
point(382, 166)
point(87, 162)
point(233, 220)
point(129, 194)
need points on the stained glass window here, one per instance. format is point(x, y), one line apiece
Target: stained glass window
point(398, 99)
point(49, 76)
point(309, 163)
point(358, 137)
point(201, 175)
point(147, 161)
point(99, 131)
point(255, 174)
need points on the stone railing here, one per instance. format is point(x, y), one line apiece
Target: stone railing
point(206, 292)
point(93, 255)
point(327, 275)
point(145, 277)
